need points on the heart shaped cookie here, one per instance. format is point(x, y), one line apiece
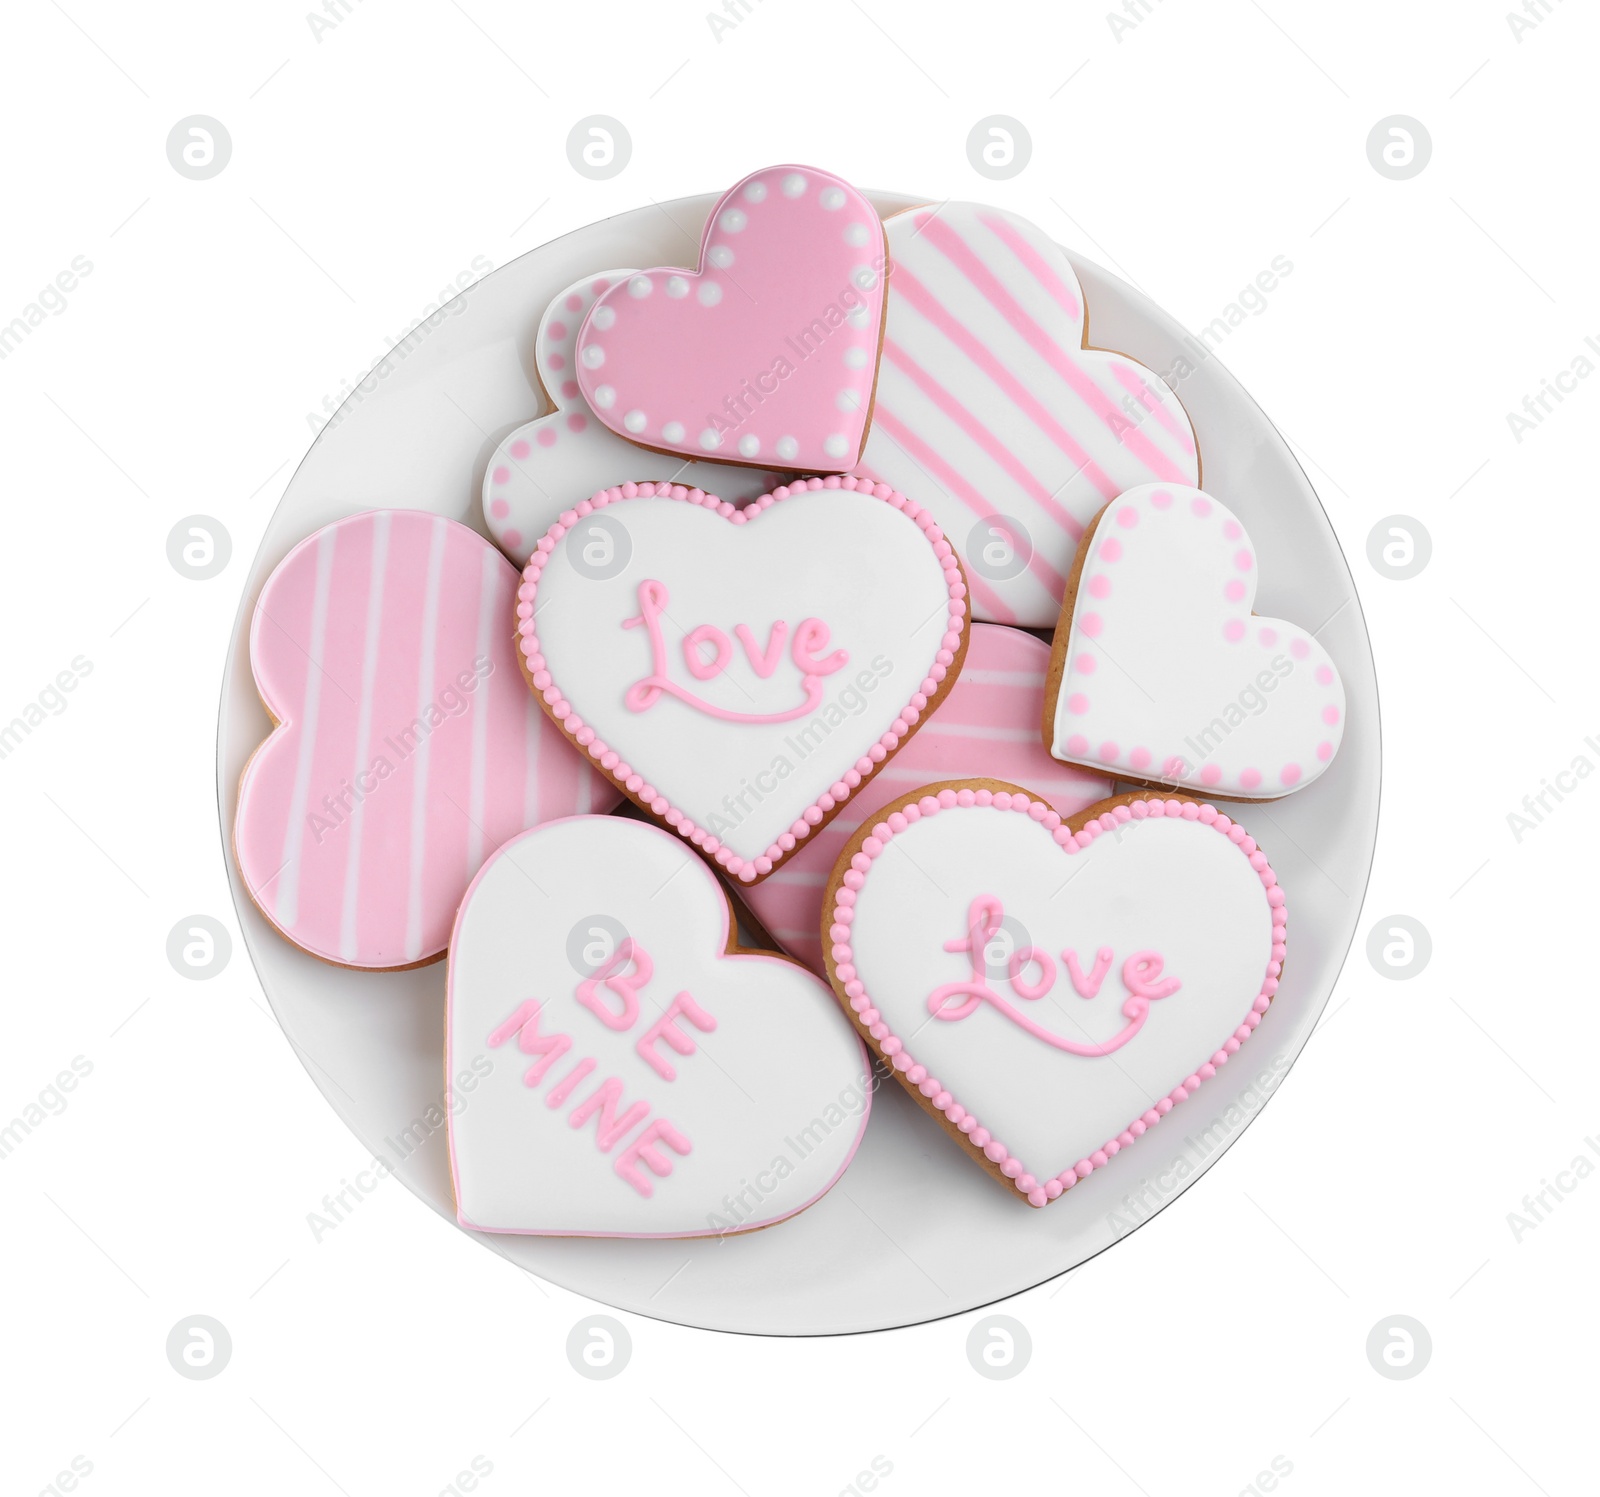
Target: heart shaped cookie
point(991, 409)
point(1160, 672)
point(1049, 990)
point(767, 353)
point(549, 463)
point(741, 673)
point(617, 1067)
point(987, 726)
point(405, 747)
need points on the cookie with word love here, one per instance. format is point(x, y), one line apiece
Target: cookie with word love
point(767, 352)
point(993, 410)
point(1161, 674)
point(404, 748)
point(988, 725)
point(635, 1073)
point(1050, 989)
point(741, 673)
point(543, 466)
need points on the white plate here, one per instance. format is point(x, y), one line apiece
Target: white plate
point(914, 1231)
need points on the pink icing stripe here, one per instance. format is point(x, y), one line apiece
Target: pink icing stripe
point(842, 969)
point(1041, 270)
point(957, 485)
point(985, 595)
point(808, 636)
point(960, 254)
point(920, 297)
point(986, 439)
point(1133, 382)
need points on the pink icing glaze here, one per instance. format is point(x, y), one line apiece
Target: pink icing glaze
point(987, 726)
point(1117, 820)
point(406, 748)
point(767, 352)
point(810, 636)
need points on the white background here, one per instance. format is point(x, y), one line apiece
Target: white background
point(369, 168)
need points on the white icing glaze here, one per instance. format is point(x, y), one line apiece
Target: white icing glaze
point(988, 404)
point(550, 463)
point(1169, 677)
point(854, 562)
point(1171, 886)
point(779, 1078)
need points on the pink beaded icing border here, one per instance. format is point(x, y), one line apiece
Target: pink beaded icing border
point(842, 964)
point(814, 815)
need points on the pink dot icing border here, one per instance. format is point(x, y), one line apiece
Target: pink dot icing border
point(814, 815)
point(842, 964)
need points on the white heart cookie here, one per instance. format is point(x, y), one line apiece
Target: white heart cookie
point(1048, 993)
point(741, 673)
point(630, 1077)
point(990, 408)
point(1161, 673)
point(548, 464)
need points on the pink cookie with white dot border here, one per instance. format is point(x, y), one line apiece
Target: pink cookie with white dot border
point(1049, 990)
point(765, 355)
point(1161, 674)
point(741, 673)
point(549, 463)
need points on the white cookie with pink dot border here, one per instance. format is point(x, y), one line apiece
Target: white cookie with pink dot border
point(741, 673)
point(548, 464)
point(1051, 990)
point(1161, 673)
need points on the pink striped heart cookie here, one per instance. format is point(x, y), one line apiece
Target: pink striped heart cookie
point(549, 463)
point(987, 726)
point(765, 354)
point(992, 410)
point(1050, 990)
point(1161, 673)
point(405, 749)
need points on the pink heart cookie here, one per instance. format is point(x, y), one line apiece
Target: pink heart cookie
point(1160, 671)
point(764, 355)
point(549, 463)
point(405, 748)
point(621, 1068)
point(987, 726)
point(1050, 990)
point(990, 407)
